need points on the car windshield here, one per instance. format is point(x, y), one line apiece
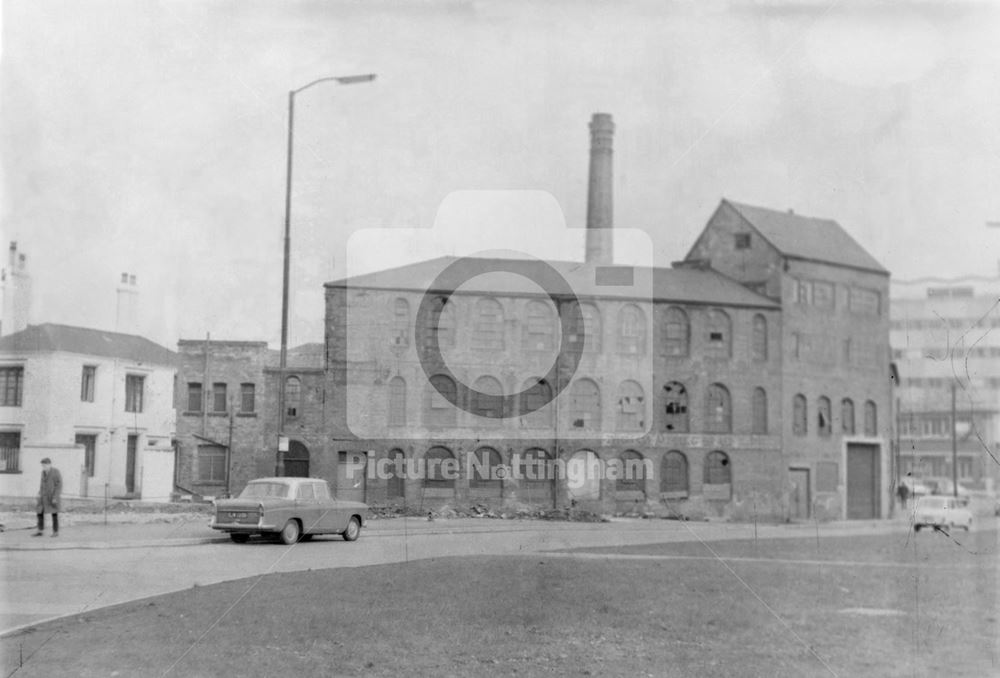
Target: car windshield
point(932, 502)
point(265, 489)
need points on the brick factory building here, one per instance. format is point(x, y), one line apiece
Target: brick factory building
point(750, 380)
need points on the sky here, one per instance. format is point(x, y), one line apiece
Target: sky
point(151, 138)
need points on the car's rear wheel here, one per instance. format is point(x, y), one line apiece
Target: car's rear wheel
point(353, 530)
point(916, 528)
point(239, 538)
point(290, 532)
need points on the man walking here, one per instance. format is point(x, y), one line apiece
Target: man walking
point(49, 494)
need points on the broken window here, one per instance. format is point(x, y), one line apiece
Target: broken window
point(675, 407)
point(631, 407)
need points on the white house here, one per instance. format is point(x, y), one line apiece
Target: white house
point(99, 404)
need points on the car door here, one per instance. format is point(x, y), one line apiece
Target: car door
point(307, 508)
point(331, 515)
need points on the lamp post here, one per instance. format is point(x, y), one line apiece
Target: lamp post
point(340, 80)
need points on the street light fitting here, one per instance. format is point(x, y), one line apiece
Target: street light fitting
point(339, 79)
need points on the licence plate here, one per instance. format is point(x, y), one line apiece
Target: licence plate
point(238, 516)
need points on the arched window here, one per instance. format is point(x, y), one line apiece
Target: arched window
point(584, 405)
point(293, 397)
point(536, 404)
point(759, 414)
point(487, 328)
point(397, 402)
point(632, 474)
point(536, 466)
point(871, 419)
point(484, 473)
point(718, 410)
point(800, 415)
point(539, 327)
point(847, 416)
point(440, 468)
point(675, 398)
point(396, 485)
point(631, 330)
point(719, 344)
point(676, 332)
point(717, 468)
point(441, 393)
point(674, 475)
point(631, 407)
point(441, 321)
point(487, 401)
point(824, 426)
point(758, 348)
point(401, 323)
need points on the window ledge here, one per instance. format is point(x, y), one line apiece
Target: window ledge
point(191, 413)
point(12, 472)
point(218, 414)
point(246, 414)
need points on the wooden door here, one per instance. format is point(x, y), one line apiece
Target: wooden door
point(862, 481)
point(800, 500)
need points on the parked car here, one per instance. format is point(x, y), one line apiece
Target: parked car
point(915, 487)
point(293, 509)
point(945, 486)
point(940, 511)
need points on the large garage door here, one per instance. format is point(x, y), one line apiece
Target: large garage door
point(862, 481)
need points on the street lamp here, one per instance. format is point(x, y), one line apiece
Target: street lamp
point(340, 80)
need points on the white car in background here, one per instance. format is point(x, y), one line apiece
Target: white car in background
point(940, 511)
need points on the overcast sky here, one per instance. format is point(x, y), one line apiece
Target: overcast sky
point(150, 137)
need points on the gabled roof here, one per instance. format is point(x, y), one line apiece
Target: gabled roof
point(49, 337)
point(681, 285)
point(809, 238)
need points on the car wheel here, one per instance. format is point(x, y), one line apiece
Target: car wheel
point(239, 538)
point(353, 530)
point(916, 528)
point(290, 532)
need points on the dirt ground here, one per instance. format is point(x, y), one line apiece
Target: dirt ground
point(863, 606)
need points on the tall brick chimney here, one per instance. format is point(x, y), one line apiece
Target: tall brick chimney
point(127, 308)
point(16, 293)
point(600, 206)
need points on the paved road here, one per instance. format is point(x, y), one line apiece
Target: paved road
point(89, 567)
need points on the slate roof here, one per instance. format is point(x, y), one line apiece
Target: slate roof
point(681, 285)
point(49, 337)
point(809, 238)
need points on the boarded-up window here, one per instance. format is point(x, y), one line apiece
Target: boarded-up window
point(487, 329)
point(400, 335)
point(440, 467)
point(871, 419)
point(487, 401)
point(632, 474)
point(631, 330)
point(539, 327)
point(397, 402)
point(441, 393)
point(486, 471)
point(674, 474)
point(758, 346)
point(826, 476)
point(675, 408)
point(719, 339)
point(847, 416)
point(759, 411)
point(718, 410)
point(800, 414)
point(676, 331)
point(631, 407)
point(718, 476)
point(536, 404)
point(824, 424)
point(585, 405)
point(536, 467)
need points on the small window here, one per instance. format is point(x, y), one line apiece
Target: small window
point(441, 323)
point(539, 328)
point(676, 332)
point(718, 412)
point(11, 384)
point(742, 241)
point(631, 410)
point(219, 397)
point(487, 329)
point(675, 407)
point(536, 409)
point(824, 425)
point(759, 414)
point(87, 383)
point(631, 330)
point(293, 396)
point(401, 323)
point(485, 471)
point(674, 474)
point(439, 468)
point(758, 348)
point(194, 396)
point(799, 415)
point(847, 416)
point(585, 405)
point(871, 419)
point(719, 335)
point(632, 475)
point(717, 472)
point(441, 393)
point(10, 451)
point(134, 385)
point(487, 401)
point(589, 333)
point(248, 396)
point(397, 402)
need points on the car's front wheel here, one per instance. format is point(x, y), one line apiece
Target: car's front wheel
point(916, 528)
point(290, 532)
point(239, 538)
point(353, 530)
